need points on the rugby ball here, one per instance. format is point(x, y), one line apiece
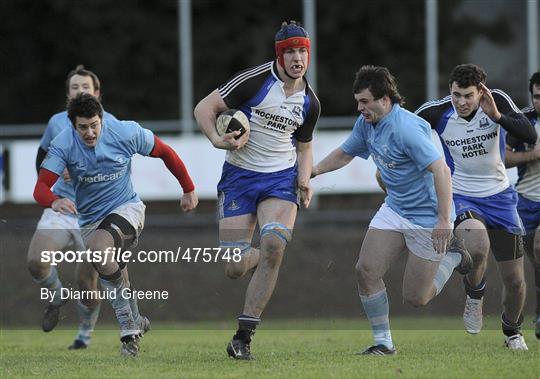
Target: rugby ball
point(231, 120)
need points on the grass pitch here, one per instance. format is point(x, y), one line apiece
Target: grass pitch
point(283, 349)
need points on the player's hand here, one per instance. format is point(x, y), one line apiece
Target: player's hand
point(189, 201)
point(66, 176)
point(487, 102)
point(64, 206)
point(441, 235)
point(306, 193)
point(229, 142)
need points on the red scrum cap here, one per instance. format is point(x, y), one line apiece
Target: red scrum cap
point(291, 35)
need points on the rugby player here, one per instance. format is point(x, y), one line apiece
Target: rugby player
point(97, 154)
point(57, 231)
point(526, 157)
point(472, 124)
point(417, 215)
point(266, 171)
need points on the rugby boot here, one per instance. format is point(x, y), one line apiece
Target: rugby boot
point(378, 350)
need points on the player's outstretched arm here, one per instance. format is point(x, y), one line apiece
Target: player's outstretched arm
point(46, 198)
point(442, 232)
point(178, 169)
point(333, 161)
point(304, 152)
point(206, 113)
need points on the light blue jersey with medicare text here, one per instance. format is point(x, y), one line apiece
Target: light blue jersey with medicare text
point(57, 123)
point(401, 147)
point(100, 175)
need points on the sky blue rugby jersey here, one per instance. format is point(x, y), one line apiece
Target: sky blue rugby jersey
point(401, 147)
point(100, 175)
point(57, 123)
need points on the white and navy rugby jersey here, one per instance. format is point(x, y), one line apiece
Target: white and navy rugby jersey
point(528, 184)
point(275, 119)
point(474, 150)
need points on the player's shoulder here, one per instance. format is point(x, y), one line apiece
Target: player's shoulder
point(124, 129)
point(315, 103)
point(408, 121)
point(434, 108)
point(63, 139)
point(406, 114)
point(109, 116)
point(250, 76)
point(58, 121)
point(530, 113)
point(503, 99)
point(58, 117)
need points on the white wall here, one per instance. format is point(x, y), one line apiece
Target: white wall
point(152, 180)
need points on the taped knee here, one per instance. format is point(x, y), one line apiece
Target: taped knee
point(115, 276)
point(277, 229)
point(121, 230)
point(234, 246)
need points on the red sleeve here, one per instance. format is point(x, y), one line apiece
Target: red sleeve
point(42, 191)
point(173, 163)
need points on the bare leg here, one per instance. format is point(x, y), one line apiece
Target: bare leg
point(264, 279)
point(380, 249)
point(514, 288)
point(236, 231)
point(418, 281)
point(476, 239)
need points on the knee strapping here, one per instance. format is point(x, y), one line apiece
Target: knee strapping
point(277, 229)
point(120, 229)
point(244, 246)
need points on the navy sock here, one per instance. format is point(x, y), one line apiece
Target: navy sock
point(246, 327)
point(510, 328)
point(475, 292)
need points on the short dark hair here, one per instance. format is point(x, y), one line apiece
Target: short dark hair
point(379, 81)
point(466, 75)
point(535, 79)
point(84, 105)
point(80, 70)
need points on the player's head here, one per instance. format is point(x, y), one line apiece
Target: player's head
point(86, 114)
point(375, 90)
point(292, 46)
point(534, 89)
point(464, 83)
point(82, 80)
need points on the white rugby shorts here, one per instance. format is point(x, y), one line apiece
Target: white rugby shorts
point(62, 228)
point(417, 238)
point(132, 212)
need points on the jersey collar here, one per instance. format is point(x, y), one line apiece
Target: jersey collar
point(276, 75)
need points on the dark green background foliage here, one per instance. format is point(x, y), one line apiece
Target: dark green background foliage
point(133, 47)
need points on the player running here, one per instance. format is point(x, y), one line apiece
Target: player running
point(417, 215)
point(526, 157)
point(56, 231)
point(266, 170)
point(97, 154)
point(472, 124)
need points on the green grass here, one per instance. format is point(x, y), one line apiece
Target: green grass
point(324, 350)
